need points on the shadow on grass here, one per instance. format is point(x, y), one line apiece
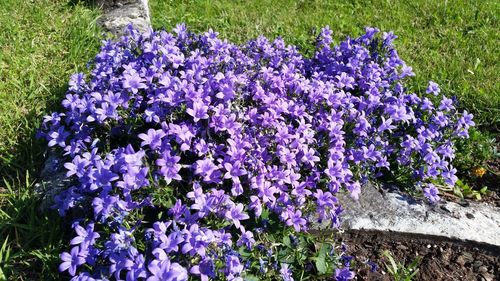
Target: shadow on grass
point(28, 153)
point(35, 237)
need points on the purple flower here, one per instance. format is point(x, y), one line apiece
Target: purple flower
point(386, 125)
point(449, 176)
point(233, 171)
point(134, 82)
point(246, 239)
point(103, 207)
point(58, 137)
point(198, 111)
point(431, 193)
point(343, 274)
point(196, 240)
point(233, 265)
point(71, 261)
point(86, 237)
point(177, 210)
point(183, 135)
point(83, 276)
point(446, 104)
point(206, 269)
point(77, 166)
point(207, 169)
point(295, 219)
point(433, 88)
point(256, 126)
point(354, 189)
point(77, 82)
point(235, 214)
point(169, 167)
point(309, 157)
point(466, 119)
point(170, 243)
point(138, 269)
point(345, 81)
point(255, 205)
point(152, 138)
point(286, 273)
point(166, 271)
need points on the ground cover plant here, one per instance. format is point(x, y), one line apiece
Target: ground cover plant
point(451, 43)
point(193, 156)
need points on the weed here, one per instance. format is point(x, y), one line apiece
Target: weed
point(400, 271)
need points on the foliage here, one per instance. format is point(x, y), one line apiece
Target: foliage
point(41, 43)
point(474, 152)
point(400, 271)
point(451, 43)
point(463, 190)
point(190, 155)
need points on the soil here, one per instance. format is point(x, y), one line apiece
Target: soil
point(440, 258)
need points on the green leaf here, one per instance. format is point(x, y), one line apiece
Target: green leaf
point(320, 261)
point(250, 277)
point(265, 214)
point(458, 193)
point(483, 190)
point(286, 241)
point(393, 268)
point(243, 252)
point(477, 195)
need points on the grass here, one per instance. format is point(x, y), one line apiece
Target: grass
point(454, 43)
point(33, 239)
point(42, 42)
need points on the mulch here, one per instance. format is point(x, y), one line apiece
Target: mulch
point(440, 258)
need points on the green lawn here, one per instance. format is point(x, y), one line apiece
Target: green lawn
point(454, 43)
point(42, 42)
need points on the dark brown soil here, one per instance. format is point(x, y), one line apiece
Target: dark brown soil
point(440, 258)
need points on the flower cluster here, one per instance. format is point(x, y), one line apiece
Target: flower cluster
point(186, 150)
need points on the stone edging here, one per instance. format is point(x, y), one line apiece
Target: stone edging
point(396, 212)
point(120, 13)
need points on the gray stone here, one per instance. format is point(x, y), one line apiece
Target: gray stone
point(118, 14)
point(397, 212)
point(53, 180)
